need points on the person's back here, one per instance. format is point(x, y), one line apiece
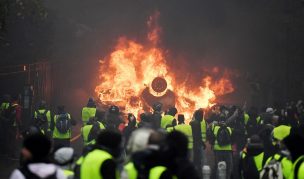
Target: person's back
point(35, 152)
point(252, 158)
point(99, 163)
point(91, 130)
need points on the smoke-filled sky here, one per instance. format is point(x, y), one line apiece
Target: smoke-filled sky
point(255, 36)
point(251, 35)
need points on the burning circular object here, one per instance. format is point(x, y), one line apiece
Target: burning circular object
point(159, 85)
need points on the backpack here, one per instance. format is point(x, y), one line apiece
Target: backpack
point(63, 124)
point(30, 175)
point(223, 136)
point(41, 120)
point(273, 170)
point(41, 117)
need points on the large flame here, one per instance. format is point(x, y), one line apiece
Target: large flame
point(131, 67)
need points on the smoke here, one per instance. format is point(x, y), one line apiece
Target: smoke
point(247, 36)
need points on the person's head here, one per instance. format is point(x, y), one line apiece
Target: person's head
point(42, 105)
point(111, 141)
point(15, 98)
point(138, 140)
point(181, 119)
point(253, 112)
point(64, 156)
point(131, 120)
point(198, 115)
point(36, 148)
point(278, 134)
point(6, 98)
point(270, 110)
point(146, 117)
point(172, 111)
point(91, 102)
point(61, 109)
point(294, 142)
point(114, 110)
point(157, 107)
point(177, 144)
point(254, 145)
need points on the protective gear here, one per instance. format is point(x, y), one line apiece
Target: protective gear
point(204, 129)
point(39, 117)
point(114, 110)
point(185, 129)
point(57, 134)
point(280, 132)
point(167, 121)
point(298, 169)
point(90, 167)
point(130, 171)
point(87, 113)
point(285, 163)
point(156, 172)
point(216, 145)
point(86, 130)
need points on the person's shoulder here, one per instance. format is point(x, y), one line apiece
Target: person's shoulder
point(16, 174)
point(60, 174)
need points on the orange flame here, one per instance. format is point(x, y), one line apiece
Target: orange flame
point(131, 67)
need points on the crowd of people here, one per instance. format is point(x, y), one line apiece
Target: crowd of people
point(251, 143)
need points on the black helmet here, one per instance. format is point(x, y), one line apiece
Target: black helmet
point(114, 109)
point(157, 106)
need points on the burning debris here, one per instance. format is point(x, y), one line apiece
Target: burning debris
point(134, 76)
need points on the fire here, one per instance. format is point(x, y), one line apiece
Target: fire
point(131, 68)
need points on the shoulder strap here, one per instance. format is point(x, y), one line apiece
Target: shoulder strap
point(296, 170)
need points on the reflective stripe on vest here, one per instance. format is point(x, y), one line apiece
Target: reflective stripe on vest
point(204, 129)
point(87, 113)
point(185, 129)
point(131, 170)
point(166, 120)
point(91, 164)
point(57, 134)
point(258, 160)
point(218, 147)
point(156, 172)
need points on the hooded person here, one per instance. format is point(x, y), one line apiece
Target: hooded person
point(113, 118)
point(282, 157)
point(64, 157)
point(88, 111)
point(149, 160)
point(35, 156)
point(177, 156)
point(253, 158)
